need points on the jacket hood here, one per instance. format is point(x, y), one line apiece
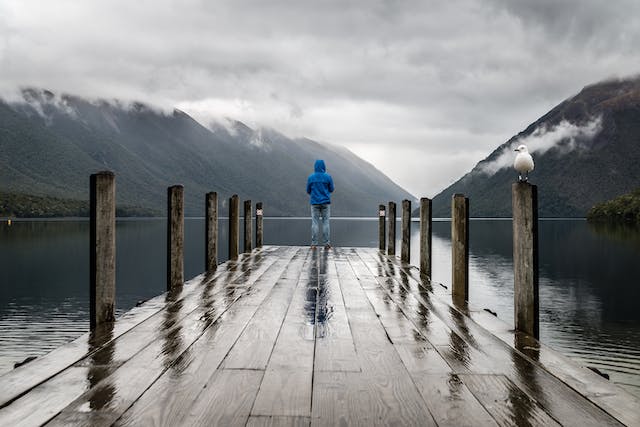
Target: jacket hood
point(319, 166)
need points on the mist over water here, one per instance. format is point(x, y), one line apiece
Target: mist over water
point(588, 279)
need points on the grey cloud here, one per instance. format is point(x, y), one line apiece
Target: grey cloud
point(455, 78)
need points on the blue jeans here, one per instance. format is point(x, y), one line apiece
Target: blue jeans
point(320, 215)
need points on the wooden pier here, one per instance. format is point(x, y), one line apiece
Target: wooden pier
point(293, 336)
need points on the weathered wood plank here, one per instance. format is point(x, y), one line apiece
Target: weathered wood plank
point(473, 349)
point(226, 400)
point(285, 392)
point(422, 358)
point(254, 347)
point(334, 349)
point(21, 380)
point(507, 404)
point(286, 387)
point(358, 399)
point(165, 353)
point(266, 421)
point(451, 402)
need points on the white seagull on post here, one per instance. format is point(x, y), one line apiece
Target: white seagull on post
point(523, 163)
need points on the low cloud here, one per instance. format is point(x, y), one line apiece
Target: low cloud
point(565, 137)
point(377, 77)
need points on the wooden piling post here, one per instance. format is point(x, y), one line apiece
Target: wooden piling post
point(102, 258)
point(175, 237)
point(525, 257)
point(382, 232)
point(234, 226)
point(211, 232)
point(248, 234)
point(405, 251)
point(460, 247)
point(391, 218)
point(259, 225)
point(425, 237)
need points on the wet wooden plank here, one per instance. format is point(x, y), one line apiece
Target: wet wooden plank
point(106, 354)
point(451, 402)
point(507, 404)
point(227, 399)
point(285, 392)
point(286, 387)
point(474, 350)
point(166, 354)
point(334, 348)
point(253, 348)
point(19, 381)
point(265, 421)
point(422, 358)
point(358, 399)
point(170, 398)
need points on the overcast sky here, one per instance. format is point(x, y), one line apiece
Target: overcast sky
point(421, 89)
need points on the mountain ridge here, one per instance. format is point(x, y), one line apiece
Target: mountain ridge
point(51, 144)
point(580, 163)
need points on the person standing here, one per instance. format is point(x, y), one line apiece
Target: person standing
point(320, 187)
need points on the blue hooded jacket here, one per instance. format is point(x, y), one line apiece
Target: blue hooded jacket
point(319, 185)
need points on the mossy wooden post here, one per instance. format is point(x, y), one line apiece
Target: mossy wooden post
point(425, 237)
point(382, 232)
point(211, 232)
point(460, 248)
point(525, 257)
point(248, 234)
point(259, 225)
point(175, 237)
point(391, 218)
point(234, 226)
point(405, 250)
point(102, 258)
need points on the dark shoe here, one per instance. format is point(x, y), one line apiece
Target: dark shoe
point(313, 247)
point(327, 246)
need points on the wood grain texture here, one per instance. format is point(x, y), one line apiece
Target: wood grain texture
point(358, 399)
point(165, 357)
point(507, 404)
point(451, 402)
point(285, 392)
point(226, 400)
point(266, 421)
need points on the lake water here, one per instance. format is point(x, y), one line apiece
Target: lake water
point(589, 279)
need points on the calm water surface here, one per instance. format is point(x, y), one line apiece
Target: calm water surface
point(589, 279)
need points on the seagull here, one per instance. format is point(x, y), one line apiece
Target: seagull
point(523, 163)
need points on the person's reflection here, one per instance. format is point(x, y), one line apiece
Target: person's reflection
point(100, 365)
point(311, 289)
point(323, 310)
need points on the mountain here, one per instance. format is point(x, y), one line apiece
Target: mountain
point(586, 150)
point(49, 146)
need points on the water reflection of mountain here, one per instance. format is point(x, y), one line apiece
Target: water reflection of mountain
point(577, 259)
point(626, 233)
